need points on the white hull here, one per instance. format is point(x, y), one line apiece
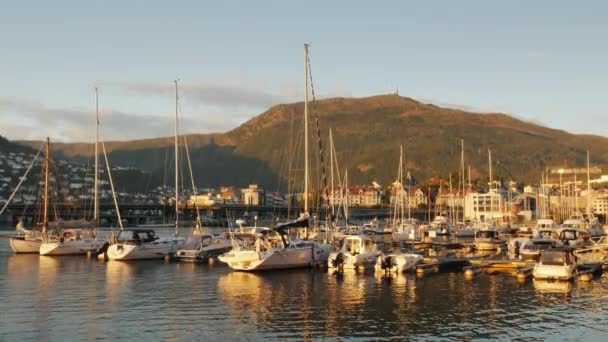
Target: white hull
point(398, 263)
point(69, 247)
point(203, 253)
point(549, 272)
point(154, 250)
point(351, 261)
point(24, 245)
point(275, 258)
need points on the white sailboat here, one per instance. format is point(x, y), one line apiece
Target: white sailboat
point(78, 241)
point(29, 240)
point(136, 244)
point(266, 249)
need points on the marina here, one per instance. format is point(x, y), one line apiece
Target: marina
point(76, 297)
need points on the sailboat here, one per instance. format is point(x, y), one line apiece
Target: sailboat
point(271, 248)
point(31, 239)
point(136, 244)
point(77, 240)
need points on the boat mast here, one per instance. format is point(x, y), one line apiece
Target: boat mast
point(96, 179)
point(331, 173)
point(46, 185)
point(306, 128)
point(588, 189)
point(176, 163)
point(462, 177)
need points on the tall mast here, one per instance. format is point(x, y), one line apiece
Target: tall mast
point(346, 196)
point(176, 162)
point(575, 194)
point(490, 168)
point(588, 188)
point(462, 176)
point(96, 179)
point(331, 172)
point(306, 128)
point(46, 184)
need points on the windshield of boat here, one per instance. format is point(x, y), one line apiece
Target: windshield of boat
point(545, 234)
point(135, 236)
point(569, 235)
point(556, 258)
point(487, 234)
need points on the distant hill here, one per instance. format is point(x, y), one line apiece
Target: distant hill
point(367, 134)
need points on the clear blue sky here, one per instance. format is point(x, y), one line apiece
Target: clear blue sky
point(545, 61)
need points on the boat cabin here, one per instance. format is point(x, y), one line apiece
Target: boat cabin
point(357, 245)
point(545, 224)
point(546, 234)
point(557, 257)
point(487, 234)
point(570, 235)
point(136, 236)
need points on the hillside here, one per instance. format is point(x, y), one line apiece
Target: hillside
point(367, 134)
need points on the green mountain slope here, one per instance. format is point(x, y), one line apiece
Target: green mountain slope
point(367, 134)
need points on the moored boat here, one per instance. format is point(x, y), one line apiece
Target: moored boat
point(488, 240)
point(397, 262)
point(555, 264)
point(356, 251)
point(203, 247)
point(70, 242)
point(137, 244)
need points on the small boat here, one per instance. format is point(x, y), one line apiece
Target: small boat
point(136, 244)
point(488, 240)
point(203, 247)
point(555, 264)
point(397, 262)
point(70, 242)
point(577, 221)
point(440, 225)
point(596, 253)
point(407, 230)
point(356, 251)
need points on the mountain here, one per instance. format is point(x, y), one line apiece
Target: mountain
point(367, 133)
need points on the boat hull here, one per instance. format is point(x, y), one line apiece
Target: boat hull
point(275, 259)
point(398, 263)
point(24, 245)
point(69, 247)
point(156, 250)
point(488, 245)
point(349, 261)
point(549, 272)
point(194, 255)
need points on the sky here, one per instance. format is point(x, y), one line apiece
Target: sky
point(543, 61)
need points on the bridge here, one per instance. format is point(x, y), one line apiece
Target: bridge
point(219, 214)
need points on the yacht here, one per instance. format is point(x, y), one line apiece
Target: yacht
point(488, 240)
point(260, 248)
point(136, 244)
point(544, 238)
point(70, 242)
point(203, 246)
point(440, 225)
point(465, 230)
point(555, 264)
point(356, 251)
point(397, 262)
point(578, 221)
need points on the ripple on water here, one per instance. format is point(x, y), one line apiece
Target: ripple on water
point(77, 298)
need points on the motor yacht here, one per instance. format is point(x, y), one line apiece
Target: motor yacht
point(555, 264)
point(397, 262)
point(488, 240)
point(201, 247)
point(136, 244)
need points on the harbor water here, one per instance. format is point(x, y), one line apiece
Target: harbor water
point(80, 298)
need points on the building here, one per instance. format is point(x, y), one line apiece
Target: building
point(600, 204)
point(484, 206)
point(253, 195)
point(201, 200)
point(275, 199)
point(227, 194)
point(357, 196)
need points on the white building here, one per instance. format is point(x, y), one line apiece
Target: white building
point(484, 206)
point(275, 199)
point(253, 195)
